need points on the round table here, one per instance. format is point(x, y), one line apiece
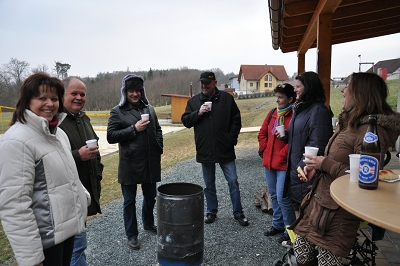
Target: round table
point(380, 207)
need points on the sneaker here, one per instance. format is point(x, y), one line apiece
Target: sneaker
point(242, 220)
point(134, 243)
point(273, 231)
point(287, 244)
point(210, 218)
point(284, 237)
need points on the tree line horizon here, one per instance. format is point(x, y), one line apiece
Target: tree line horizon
point(103, 91)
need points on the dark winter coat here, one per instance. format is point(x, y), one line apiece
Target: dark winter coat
point(274, 150)
point(139, 152)
point(79, 129)
point(215, 132)
point(311, 125)
point(322, 221)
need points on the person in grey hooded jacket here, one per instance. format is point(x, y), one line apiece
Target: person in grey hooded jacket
point(140, 145)
point(43, 204)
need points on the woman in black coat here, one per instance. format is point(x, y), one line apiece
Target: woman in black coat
point(311, 125)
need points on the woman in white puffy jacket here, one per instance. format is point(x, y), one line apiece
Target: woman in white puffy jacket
point(42, 201)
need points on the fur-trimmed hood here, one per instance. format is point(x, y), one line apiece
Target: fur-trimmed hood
point(391, 122)
point(123, 90)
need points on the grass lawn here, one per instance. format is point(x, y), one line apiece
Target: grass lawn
point(180, 145)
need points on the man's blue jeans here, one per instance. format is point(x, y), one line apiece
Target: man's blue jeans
point(210, 192)
point(149, 200)
point(78, 254)
point(282, 206)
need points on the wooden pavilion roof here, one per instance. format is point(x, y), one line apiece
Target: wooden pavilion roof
point(298, 25)
point(294, 24)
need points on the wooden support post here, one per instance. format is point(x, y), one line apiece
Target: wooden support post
point(301, 63)
point(324, 52)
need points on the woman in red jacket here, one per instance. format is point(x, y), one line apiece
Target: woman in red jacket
point(274, 154)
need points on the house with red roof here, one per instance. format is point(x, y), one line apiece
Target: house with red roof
point(260, 78)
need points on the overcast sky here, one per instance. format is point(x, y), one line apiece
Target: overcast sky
point(103, 36)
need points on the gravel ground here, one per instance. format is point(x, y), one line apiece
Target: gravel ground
point(225, 241)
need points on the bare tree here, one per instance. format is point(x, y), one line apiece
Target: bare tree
point(12, 75)
point(16, 70)
point(41, 68)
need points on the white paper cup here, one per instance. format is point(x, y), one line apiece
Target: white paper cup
point(91, 143)
point(334, 121)
point(354, 167)
point(209, 104)
point(311, 150)
point(281, 130)
point(145, 117)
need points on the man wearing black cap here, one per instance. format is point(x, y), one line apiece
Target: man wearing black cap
point(140, 143)
point(216, 132)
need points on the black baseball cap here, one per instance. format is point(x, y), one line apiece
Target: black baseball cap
point(207, 76)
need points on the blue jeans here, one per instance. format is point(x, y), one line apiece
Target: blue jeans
point(149, 200)
point(210, 192)
point(282, 206)
point(78, 254)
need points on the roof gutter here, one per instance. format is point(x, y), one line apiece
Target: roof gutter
point(275, 17)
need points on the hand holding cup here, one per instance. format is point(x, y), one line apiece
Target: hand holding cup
point(209, 104)
point(89, 151)
point(311, 158)
point(91, 143)
point(281, 130)
point(145, 117)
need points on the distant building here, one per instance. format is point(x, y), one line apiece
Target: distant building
point(178, 105)
point(338, 82)
point(234, 83)
point(260, 78)
point(392, 67)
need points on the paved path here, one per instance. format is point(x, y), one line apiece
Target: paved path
point(106, 148)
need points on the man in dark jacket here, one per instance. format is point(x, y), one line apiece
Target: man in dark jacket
point(216, 130)
point(140, 145)
point(88, 162)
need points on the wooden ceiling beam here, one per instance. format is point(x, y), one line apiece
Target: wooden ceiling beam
point(323, 7)
point(297, 21)
point(299, 31)
point(365, 35)
point(352, 20)
point(347, 25)
point(354, 28)
point(392, 14)
point(342, 13)
point(354, 2)
point(300, 8)
point(292, 47)
point(366, 9)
